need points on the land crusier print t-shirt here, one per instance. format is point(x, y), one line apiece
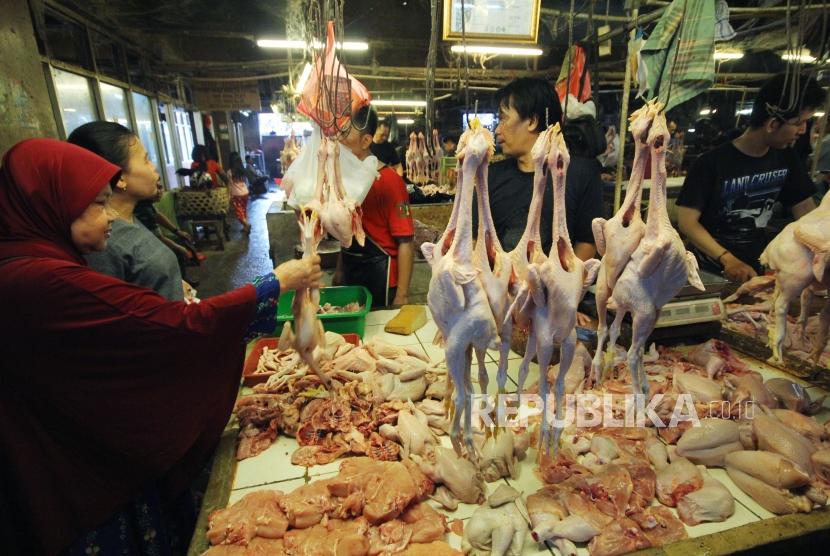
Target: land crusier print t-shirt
point(735, 194)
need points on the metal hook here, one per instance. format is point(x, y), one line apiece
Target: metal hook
point(547, 120)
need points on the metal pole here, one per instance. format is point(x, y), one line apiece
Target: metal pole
point(624, 114)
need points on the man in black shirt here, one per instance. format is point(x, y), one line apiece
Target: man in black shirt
point(727, 198)
point(523, 107)
point(384, 150)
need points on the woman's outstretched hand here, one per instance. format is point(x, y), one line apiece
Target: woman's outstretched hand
point(299, 273)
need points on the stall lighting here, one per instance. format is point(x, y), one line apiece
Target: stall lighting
point(69, 110)
point(802, 56)
point(819, 114)
point(708, 111)
point(406, 121)
point(691, 130)
point(301, 45)
point(743, 112)
point(728, 55)
point(303, 78)
point(410, 103)
point(485, 49)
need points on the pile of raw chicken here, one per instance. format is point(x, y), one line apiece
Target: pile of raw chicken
point(369, 508)
point(610, 487)
point(423, 161)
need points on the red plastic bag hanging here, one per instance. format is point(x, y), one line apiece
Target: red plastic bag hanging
point(576, 85)
point(331, 94)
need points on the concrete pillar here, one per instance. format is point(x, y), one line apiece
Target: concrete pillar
point(25, 108)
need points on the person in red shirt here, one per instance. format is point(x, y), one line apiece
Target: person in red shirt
point(384, 264)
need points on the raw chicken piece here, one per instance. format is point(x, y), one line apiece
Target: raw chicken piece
point(644, 481)
point(556, 285)
point(709, 443)
point(712, 502)
point(459, 475)
point(496, 531)
point(618, 237)
point(802, 424)
point(717, 358)
point(305, 506)
point(407, 386)
point(774, 469)
point(821, 463)
point(659, 525)
point(340, 215)
point(456, 297)
point(794, 396)
point(545, 510)
point(334, 538)
point(412, 432)
point(677, 479)
point(659, 267)
point(436, 548)
point(799, 255)
point(308, 331)
point(752, 287)
point(611, 489)
point(498, 455)
point(749, 388)
point(776, 437)
point(411, 151)
point(387, 487)
point(620, 537)
point(257, 514)
point(575, 376)
point(257, 547)
point(776, 500)
point(702, 389)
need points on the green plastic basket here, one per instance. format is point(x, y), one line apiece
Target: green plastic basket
point(341, 323)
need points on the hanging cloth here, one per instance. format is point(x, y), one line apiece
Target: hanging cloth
point(679, 53)
point(723, 29)
point(579, 82)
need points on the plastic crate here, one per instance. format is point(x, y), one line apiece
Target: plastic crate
point(342, 323)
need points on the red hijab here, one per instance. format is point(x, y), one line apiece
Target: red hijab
point(45, 185)
point(105, 388)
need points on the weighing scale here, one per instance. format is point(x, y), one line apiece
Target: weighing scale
point(691, 313)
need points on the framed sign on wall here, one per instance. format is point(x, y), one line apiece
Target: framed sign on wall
point(494, 20)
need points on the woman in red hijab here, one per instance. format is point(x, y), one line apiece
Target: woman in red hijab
point(111, 397)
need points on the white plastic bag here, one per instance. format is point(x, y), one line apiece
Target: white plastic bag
point(358, 175)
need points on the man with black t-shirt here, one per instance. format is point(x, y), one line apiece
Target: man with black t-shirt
point(384, 150)
point(727, 198)
point(523, 106)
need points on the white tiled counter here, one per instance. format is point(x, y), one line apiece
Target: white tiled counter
point(273, 469)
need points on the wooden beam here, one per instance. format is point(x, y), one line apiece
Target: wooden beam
point(602, 17)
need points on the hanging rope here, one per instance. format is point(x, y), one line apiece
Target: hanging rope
point(466, 60)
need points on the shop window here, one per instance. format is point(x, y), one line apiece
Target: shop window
point(114, 100)
point(108, 56)
point(67, 40)
point(76, 101)
point(145, 127)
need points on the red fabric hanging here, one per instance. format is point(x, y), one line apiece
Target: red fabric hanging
point(578, 65)
point(105, 387)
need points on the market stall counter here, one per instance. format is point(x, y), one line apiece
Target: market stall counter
point(271, 469)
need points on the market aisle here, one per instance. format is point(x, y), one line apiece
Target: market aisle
point(243, 259)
